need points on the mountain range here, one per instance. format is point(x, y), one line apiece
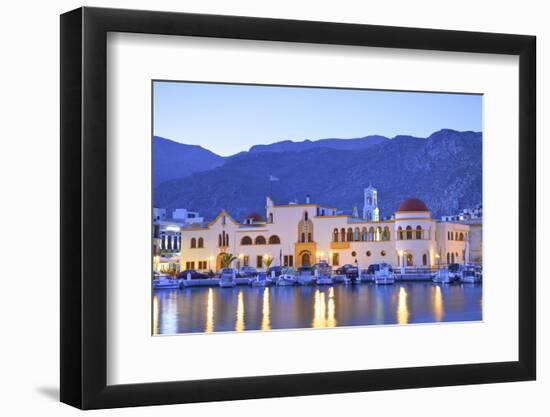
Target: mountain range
point(444, 170)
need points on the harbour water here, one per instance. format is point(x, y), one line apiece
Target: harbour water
point(205, 310)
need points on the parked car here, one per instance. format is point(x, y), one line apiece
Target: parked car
point(349, 270)
point(277, 269)
point(247, 271)
point(194, 274)
point(376, 267)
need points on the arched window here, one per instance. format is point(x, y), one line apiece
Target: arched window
point(274, 240)
point(364, 234)
point(400, 233)
point(260, 240)
point(424, 260)
point(356, 234)
point(335, 235)
point(371, 234)
point(201, 242)
point(169, 242)
point(350, 234)
point(246, 240)
point(193, 243)
point(461, 236)
point(418, 232)
point(270, 217)
point(409, 233)
point(386, 233)
point(220, 243)
point(343, 234)
point(305, 216)
point(378, 236)
point(452, 258)
point(309, 237)
point(303, 237)
point(448, 258)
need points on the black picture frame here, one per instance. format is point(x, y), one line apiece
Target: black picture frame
point(84, 207)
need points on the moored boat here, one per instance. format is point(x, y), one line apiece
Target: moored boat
point(260, 280)
point(324, 280)
point(286, 279)
point(228, 278)
point(471, 274)
point(444, 276)
point(384, 275)
point(166, 282)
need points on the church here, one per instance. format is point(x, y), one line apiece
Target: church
point(297, 235)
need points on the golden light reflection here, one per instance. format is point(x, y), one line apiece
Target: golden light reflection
point(239, 325)
point(155, 315)
point(402, 309)
point(438, 304)
point(266, 322)
point(209, 311)
point(324, 315)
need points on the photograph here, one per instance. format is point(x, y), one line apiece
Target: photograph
point(298, 207)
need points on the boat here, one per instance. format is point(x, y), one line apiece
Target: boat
point(260, 280)
point(286, 279)
point(305, 279)
point(166, 282)
point(228, 278)
point(444, 276)
point(384, 275)
point(324, 280)
point(340, 279)
point(471, 274)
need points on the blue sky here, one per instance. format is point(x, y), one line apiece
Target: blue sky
point(227, 119)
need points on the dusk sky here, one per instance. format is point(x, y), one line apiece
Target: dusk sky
point(227, 119)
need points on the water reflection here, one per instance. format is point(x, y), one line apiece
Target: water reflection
point(323, 315)
point(209, 312)
point(239, 324)
point(438, 303)
point(266, 324)
point(199, 310)
point(402, 308)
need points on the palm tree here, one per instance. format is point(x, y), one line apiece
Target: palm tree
point(227, 260)
point(268, 260)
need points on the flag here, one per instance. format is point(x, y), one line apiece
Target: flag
point(272, 178)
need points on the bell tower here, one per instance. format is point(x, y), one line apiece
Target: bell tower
point(370, 206)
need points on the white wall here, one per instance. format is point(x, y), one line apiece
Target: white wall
point(30, 173)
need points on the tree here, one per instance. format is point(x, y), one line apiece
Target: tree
point(268, 260)
point(227, 260)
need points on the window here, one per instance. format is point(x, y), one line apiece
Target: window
point(378, 233)
point(201, 242)
point(274, 240)
point(383, 253)
point(368, 253)
point(350, 234)
point(364, 234)
point(335, 259)
point(418, 232)
point(309, 238)
point(371, 234)
point(335, 235)
point(190, 265)
point(424, 260)
point(246, 260)
point(259, 261)
point(260, 240)
point(288, 260)
point(270, 217)
point(356, 234)
point(303, 238)
point(354, 254)
point(386, 233)
point(193, 243)
point(305, 216)
point(246, 241)
point(448, 258)
point(202, 265)
point(461, 236)
point(400, 233)
point(343, 234)
point(409, 233)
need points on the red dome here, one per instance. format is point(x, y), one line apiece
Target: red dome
point(412, 204)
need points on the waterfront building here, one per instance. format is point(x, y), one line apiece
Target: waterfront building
point(297, 235)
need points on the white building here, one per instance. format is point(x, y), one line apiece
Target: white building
point(304, 234)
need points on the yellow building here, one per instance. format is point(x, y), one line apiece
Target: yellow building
point(305, 234)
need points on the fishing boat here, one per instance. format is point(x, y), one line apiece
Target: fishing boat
point(228, 278)
point(166, 282)
point(324, 280)
point(286, 279)
point(444, 276)
point(470, 274)
point(384, 275)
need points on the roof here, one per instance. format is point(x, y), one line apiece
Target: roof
point(413, 204)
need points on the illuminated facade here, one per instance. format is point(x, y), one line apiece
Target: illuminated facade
point(304, 234)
